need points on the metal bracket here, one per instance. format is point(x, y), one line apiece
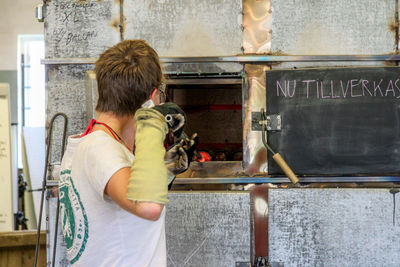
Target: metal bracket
point(273, 122)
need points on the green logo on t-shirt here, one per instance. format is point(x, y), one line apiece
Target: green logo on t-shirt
point(73, 217)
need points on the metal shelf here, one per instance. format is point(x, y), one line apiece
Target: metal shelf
point(248, 59)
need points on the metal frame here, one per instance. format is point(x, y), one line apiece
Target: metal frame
point(45, 186)
point(245, 59)
point(193, 81)
point(199, 78)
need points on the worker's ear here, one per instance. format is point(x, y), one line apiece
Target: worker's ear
point(155, 96)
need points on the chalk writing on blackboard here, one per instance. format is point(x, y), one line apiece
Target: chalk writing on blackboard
point(332, 89)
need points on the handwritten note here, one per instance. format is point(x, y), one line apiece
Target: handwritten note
point(71, 16)
point(81, 28)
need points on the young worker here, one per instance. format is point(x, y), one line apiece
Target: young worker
point(112, 202)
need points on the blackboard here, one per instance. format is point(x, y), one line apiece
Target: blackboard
point(336, 121)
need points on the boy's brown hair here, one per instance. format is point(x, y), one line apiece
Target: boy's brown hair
point(127, 73)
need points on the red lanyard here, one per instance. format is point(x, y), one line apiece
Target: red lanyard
point(89, 129)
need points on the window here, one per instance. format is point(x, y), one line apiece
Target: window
point(31, 85)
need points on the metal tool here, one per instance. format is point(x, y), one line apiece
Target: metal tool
point(276, 156)
point(44, 185)
point(169, 119)
point(175, 121)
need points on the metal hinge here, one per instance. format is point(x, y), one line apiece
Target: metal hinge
point(272, 122)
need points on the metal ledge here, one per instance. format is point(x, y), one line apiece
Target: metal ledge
point(249, 59)
point(266, 58)
point(66, 61)
point(277, 180)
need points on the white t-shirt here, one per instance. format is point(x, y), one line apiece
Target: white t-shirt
point(97, 231)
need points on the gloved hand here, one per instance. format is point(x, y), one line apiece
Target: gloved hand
point(176, 161)
point(174, 116)
point(178, 157)
point(148, 179)
point(190, 146)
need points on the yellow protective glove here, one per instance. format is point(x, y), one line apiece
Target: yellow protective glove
point(148, 180)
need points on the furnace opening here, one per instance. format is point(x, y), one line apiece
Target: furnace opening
point(214, 112)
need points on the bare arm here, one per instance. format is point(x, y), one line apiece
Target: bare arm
point(116, 188)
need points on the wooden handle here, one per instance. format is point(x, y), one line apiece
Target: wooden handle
point(285, 168)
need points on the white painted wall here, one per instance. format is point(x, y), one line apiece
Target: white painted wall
point(16, 17)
